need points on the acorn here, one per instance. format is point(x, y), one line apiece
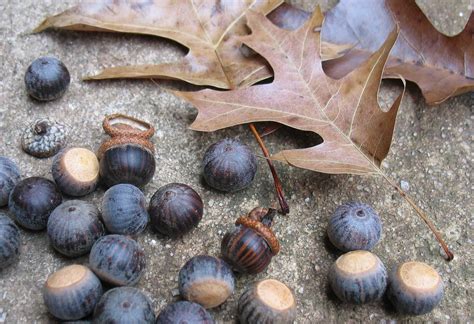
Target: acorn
point(32, 200)
point(268, 301)
point(358, 277)
point(9, 241)
point(175, 209)
point(229, 165)
point(124, 210)
point(415, 288)
point(47, 78)
point(73, 227)
point(76, 171)
point(128, 156)
point(72, 292)
point(124, 305)
point(43, 138)
point(9, 177)
point(249, 248)
point(118, 260)
point(354, 226)
point(206, 280)
point(184, 312)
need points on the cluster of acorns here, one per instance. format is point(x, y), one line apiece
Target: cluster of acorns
point(360, 277)
point(124, 163)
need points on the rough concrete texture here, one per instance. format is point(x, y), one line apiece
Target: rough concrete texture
point(430, 156)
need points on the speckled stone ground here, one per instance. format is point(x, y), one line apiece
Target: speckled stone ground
point(431, 154)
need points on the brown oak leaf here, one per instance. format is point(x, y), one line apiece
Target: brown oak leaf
point(345, 113)
point(440, 65)
point(209, 28)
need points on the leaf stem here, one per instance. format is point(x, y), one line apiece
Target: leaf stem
point(285, 209)
point(421, 213)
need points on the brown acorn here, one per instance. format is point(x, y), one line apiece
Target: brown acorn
point(249, 248)
point(128, 156)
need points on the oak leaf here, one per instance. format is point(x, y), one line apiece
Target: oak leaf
point(208, 28)
point(440, 65)
point(345, 113)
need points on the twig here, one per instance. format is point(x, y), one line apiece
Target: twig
point(424, 217)
point(285, 209)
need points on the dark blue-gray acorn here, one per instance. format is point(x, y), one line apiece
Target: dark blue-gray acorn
point(124, 210)
point(118, 260)
point(9, 177)
point(124, 305)
point(73, 227)
point(250, 247)
point(76, 171)
point(43, 138)
point(206, 280)
point(72, 292)
point(184, 312)
point(268, 301)
point(9, 241)
point(415, 288)
point(358, 277)
point(175, 209)
point(32, 200)
point(354, 226)
point(47, 78)
point(229, 165)
point(128, 156)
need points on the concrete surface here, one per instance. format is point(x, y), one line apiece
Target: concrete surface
point(430, 154)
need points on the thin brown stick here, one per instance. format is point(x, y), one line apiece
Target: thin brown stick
point(285, 209)
point(424, 217)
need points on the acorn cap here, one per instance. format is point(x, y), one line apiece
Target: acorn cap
point(123, 125)
point(125, 130)
point(259, 226)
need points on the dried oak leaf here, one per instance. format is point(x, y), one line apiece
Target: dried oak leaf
point(209, 28)
point(345, 113)
point(440, 65)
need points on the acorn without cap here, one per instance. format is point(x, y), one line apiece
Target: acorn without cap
point(9, 177)
point(128, 156)
point(415, 288)
point(268, 301)
point(9, 241)
point(250, 247)
point(358, 277)
point(76, 171)
point(72, 292)
point(124, 210)
point(175, 209)
point(32, 200)
point(124, 305)
point(118, 260)
point(184, 312)
point(206, 280)
point(74, 227)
